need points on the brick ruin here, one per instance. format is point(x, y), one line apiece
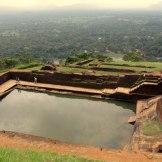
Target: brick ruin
point(147, 111)
point(141, 87)
point(75, 80)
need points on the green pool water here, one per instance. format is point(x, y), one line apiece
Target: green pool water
point(66, 118)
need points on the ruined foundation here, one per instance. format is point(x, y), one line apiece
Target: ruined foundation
point(123, 87)
point(147, 111)
point(130, 88)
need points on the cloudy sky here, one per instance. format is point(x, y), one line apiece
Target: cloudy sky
point(45, 4)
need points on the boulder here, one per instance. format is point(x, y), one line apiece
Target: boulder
point(49, 68)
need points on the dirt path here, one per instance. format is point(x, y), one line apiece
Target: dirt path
point(15, 140)
point(60, 87)
point(7, 85)
point(11, 83)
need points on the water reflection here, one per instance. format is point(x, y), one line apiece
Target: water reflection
point(70, 119)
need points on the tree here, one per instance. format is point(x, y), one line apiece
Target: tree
point(133, 56)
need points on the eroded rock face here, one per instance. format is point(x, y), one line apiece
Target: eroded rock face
point(148, 111)
point(159, 109)
point(49, 68)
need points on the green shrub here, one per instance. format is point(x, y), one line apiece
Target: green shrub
point(151, 128)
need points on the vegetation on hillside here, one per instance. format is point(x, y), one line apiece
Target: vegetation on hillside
point(50, 34)
point(99, 64)
point(86, 58)
point(133, 56)
point(21, 61)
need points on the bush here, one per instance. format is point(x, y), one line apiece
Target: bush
point(133, 57)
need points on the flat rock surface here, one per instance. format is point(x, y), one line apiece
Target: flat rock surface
point(7, 85)
point(11, 83)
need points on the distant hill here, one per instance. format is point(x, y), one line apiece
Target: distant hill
point(62, 33)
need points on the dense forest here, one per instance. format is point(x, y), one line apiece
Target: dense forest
point(52, 34)
point(19, 61)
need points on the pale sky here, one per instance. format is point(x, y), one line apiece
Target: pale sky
point(45, 4)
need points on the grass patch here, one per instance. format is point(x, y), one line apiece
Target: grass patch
point(151, 128)
point(28, 66)
point(17, 155)
point(65, 69)
point(3, 70)
point(137, 66)
point(155, 66)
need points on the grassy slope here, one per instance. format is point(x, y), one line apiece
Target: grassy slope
point(31, 66)
point(16, 155)
point(145, 66)
point(149, 67)
point(156, 66)
point(28, 66)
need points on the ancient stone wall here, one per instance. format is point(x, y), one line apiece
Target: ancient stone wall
point(127, 80)
point(147, 110)
point(4, 77)
point(153, 90)
point(113, 69)
point(88, 81)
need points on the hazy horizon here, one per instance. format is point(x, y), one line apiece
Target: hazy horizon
point(37, 5)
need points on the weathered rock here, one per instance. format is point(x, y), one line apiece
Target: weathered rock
point(132, 120)
point(49, 67)
point(147, 111)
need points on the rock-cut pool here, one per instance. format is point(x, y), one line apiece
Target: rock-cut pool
point(66, 118)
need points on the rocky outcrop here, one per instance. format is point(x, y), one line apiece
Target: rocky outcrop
point(146, 112)
point(49, 68)
point(147, 84)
